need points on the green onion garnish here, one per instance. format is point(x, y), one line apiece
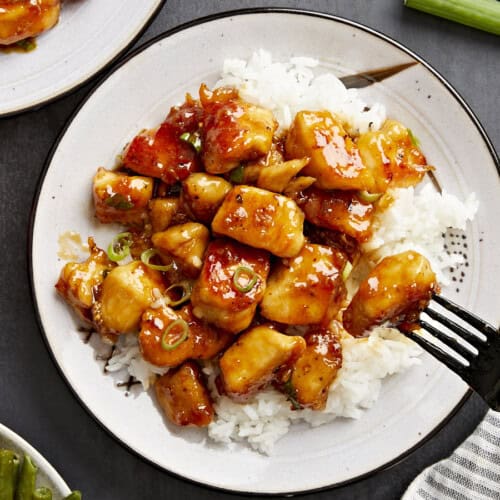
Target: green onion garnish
point(119, 202)
point(244, 272)
point(182, 336)
point(346, 270)
point(119, 248)
point(480, 14)
point(414, 140)
point(193, 138)
point(147, 255)
point(26, 45)
point(186, 287)
point(237, 175)
point(368, 197)
point(291, 393)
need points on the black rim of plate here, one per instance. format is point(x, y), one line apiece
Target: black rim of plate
point(94, 74)
point(169, 33)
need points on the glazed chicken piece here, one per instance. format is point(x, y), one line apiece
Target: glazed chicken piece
point(341, 211)
point(162, 153)
point(392, 156)
point(78, 282)
point(233, 130)
point(126, 292)
point(334, 158)
point(162, 212)
point(231, 284)
point(21, 19)
point(277, 177)
point(186, 243)
point(255, 358)
point(307, 288)
point(316, 369)
point(203, 194)
point(183, 396)
point(396, 290)
point(121, 198)
point(261, 219)
point(202, 341)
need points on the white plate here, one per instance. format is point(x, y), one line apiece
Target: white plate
point(47, 475)
point(89, 35)
point(413, 405)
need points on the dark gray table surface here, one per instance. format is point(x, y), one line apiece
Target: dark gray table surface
point(36, 402)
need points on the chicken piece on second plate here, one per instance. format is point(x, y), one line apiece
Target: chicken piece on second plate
point(307, 288)
point(183, 396)
point(255, 358)
point(231, 284)
point(396, 290)
point(334, 157)
point(20, 19)
point(233, 130)
point(261, 219)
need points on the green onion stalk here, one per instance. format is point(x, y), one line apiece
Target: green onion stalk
point(480, 14)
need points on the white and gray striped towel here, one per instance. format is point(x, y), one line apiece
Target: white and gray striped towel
point(471, 473)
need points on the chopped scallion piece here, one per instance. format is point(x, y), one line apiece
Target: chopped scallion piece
point(413, 138)
point(237, 175)
point(346, 271)
point(244, 279)
point(186, 287)
point(26, 45)
point(292, 394)
point(147, 255)
point(193, 138)
point(179, 337)
point(367, 197)
point(119, 248)
point(480, 14)
point(119, 202)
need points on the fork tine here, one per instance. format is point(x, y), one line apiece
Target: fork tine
point(437, 352)
point(472, 339)
point(470, 318)
point(448, 340)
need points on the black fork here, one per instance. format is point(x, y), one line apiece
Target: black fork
point(481, 369)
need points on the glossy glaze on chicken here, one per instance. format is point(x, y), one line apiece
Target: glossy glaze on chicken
point(237, 244)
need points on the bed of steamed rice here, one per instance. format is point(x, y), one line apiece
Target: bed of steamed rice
point(416, 220)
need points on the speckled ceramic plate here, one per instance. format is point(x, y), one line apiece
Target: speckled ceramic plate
point(89, 35)
point(413, 405)
point(47, 475)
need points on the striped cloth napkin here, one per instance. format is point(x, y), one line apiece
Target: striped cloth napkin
point(472, 472)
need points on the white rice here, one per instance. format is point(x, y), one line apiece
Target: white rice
point(414, 221)
point(287, 88)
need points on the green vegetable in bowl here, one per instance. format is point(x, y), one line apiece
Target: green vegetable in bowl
point(18, 481)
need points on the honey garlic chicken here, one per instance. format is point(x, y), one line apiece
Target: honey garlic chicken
point(20, 19)
point(237, 243)
point(396, 290)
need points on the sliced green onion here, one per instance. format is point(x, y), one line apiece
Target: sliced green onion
point(368, 197)
point(147, 255)
point(346, 270)
point(237, 174)
point(184, 334)
point(119, 248)
point(480, 14)
point(413, 138)
point(193, 138)
point(26, 45)
point(119, 202)
point(186, 287)
point(251, 275)
point(291, 393)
